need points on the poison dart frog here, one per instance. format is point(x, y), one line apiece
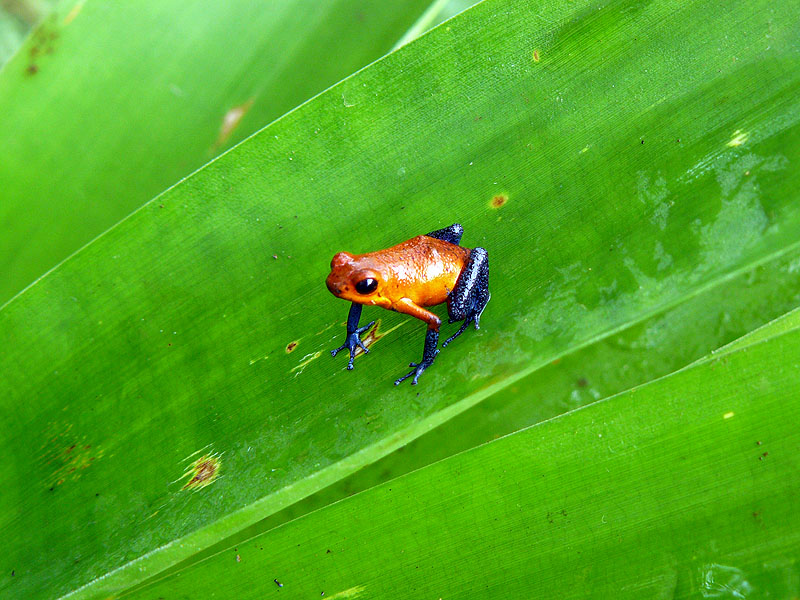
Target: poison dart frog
point(424, 271)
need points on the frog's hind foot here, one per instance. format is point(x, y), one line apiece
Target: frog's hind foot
point(430, 352)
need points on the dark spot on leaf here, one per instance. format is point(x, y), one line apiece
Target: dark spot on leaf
point(291, 346)
point(32, 69)
point(582, 383)
point(278, 583)
point(536, 55)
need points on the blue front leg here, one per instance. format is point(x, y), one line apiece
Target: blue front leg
point(353, 339)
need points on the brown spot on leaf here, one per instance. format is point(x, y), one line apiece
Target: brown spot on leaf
point(498, 201)
point(535, 56)
point(202, 472)
point(291, 346)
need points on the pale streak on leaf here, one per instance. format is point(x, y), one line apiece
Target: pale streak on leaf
point(353, 592)
point(305, 361)
point(231, 121)
point(74, 12)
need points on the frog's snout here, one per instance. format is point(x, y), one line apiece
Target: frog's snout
point(335, 287)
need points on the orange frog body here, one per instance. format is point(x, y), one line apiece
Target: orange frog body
point(424, 271)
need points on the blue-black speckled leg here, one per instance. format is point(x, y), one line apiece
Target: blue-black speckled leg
point(471, 294)
point(353, 339)
point(450, 234)
point(428, 354)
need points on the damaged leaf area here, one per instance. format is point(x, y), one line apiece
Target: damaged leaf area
point(375, 334)
point(66, 455)
point(231, 121)
point(202, 472)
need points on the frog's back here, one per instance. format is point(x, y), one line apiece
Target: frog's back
point(423, 269)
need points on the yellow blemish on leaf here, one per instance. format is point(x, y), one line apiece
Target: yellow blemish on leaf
point(353, 592)
point(584, 149)
point(74, 12)
point(374, 334)
point(739, 138)
point(231, 121)
point(536, 57)
point(728, 415)
point(498, 201)
point(255, 360)
point(291, 346)
point(202, 472)
point(67, 454)
point(304, 362)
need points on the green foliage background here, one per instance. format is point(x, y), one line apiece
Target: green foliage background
point(631, 167)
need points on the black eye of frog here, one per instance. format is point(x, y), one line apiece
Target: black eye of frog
point(367, 286)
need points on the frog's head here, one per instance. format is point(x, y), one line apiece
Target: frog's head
point(353, 279)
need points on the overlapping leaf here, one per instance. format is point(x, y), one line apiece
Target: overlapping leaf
point(107, 104)
point(616, 160)
point(683, 488)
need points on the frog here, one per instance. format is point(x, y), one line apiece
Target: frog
point(424, 271)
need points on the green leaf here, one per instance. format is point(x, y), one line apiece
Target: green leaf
point(653, 348)
point(163, 344)
point(107, 104)
point(682, 488)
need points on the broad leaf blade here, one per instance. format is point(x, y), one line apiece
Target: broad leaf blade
point(107, 104)
point(683, 488)
point(653, 348)
point(166, 340)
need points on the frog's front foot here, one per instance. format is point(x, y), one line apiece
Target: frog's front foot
point(353, 341)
